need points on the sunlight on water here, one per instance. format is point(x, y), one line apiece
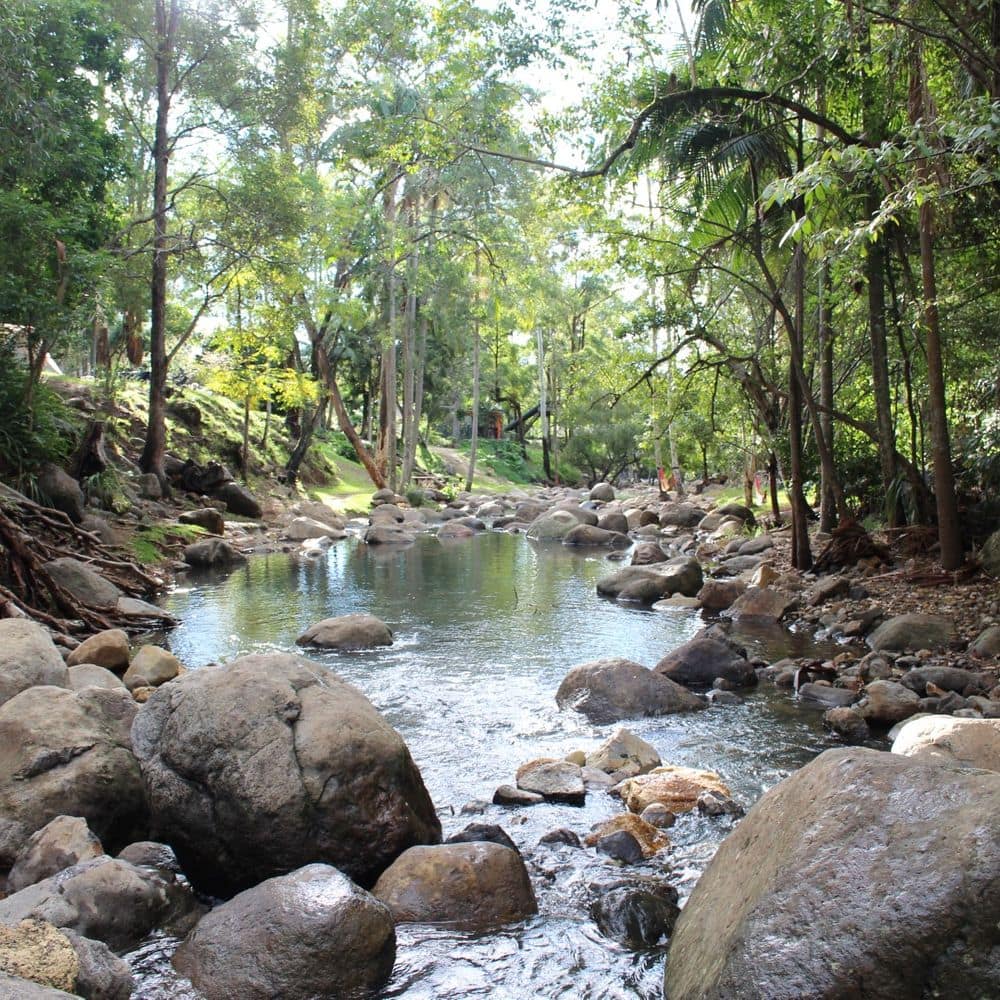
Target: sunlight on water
point(484, 632)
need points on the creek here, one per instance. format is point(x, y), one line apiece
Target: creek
point(485, 629)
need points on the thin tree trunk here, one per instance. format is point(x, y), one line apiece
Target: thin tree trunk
point(385, 454)
point(409, 341)
point(155, 446)
point(475, 382)
point(543, 404)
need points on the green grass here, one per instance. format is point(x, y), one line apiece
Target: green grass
point(152, 542)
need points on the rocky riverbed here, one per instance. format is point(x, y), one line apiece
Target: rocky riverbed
point(266, 815)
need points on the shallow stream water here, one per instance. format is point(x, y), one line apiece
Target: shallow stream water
point(485, 629)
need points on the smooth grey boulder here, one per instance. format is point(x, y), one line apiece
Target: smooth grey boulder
point(552, 526)
point(85, 675)
point(150, 667)
point(885, 703)
point(613, 521)
point(387, 534)
point(476, 886)
point(717, 595)
point(987, 643)
point(913, 632)
point(109, 649)
point(208, 553)
point(680, 515)
point(84, 582)
point(205, 517)
point(28, 657)
point(318, 511)
point(648, 554)
point(989, 555)
point(357, 631)
point(848, 723)
point(106, 899)
point(308, 935)
point(761, 604)
point(268, 763)
point(625, 754)
point(16, 988)
point(61, 491)
point(583, 514)
point(946, 678)
point(827, 697)
point(63, 842)
point(604, 492)
point(68, 753)
point(866, 874)
point(303, 528)
point(615, 688)
point(554, 780)
point(647, 584)
point(101, 975)
point(239, 500)
point(591, 534)
point(699, 661)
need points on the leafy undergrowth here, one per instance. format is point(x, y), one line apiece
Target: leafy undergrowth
point(152, 543)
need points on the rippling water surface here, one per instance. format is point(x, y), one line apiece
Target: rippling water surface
point(485, 630)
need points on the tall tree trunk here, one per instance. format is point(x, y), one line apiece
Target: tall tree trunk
point(801, 553)
point(410, 423)
point(167, 13)
point(474, 443)
point(824, 336)
point(385, 454)
point(543, 403)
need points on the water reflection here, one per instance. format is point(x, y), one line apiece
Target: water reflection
point(485, 630)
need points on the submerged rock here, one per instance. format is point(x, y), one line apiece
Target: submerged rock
point(554, 780)
point(636, 916)
point(357, 631)
point(675, 787)
point(701, 660)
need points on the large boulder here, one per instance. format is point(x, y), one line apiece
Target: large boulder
point(308, 935)
point(636, 916)
point(946, 678)
point(387, 534)
point(680, 515)
point(357, 631)
point(647, 584)
point(698, 662)
point(239, 500)
point(989, 555)
point(205, 517)
point(84, 583)
point(63, 842)
point(615, 688)
point(863, 874)
point(885, 703)
point(625, 754)
point(261, 766)
point(717, 595)
point(28, 657)
point(151, 667)
point(68, 753)
point(912, 631)
point(552, 526)
point(963, 742)
point(591, 534)
point(303, 528)
point(475, 886)
point(761, 604)
point(604, 492)
point(85, 675)
point(61, 491)
point(554, 780)
point(109, 649)
point(106, 899)
point(648, 554)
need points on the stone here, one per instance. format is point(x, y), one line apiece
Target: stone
point(826, 696)
point(866, 874)
point(16, 988)
point(85, 584)
point(623, 749)
point(912, 631)
point(150, 854)
point(387, 513)
point(510, 795)
point(761, 604)
point(755, 546)
point(102, 975)
point(61, 491)
point(319, 511)
point(554, 780)
point(105, 899)
point(680, 515)
point(848, 723)
point(68, 753)
point(63, 842)
point(387, 534)
point(616, 688)
point(561, 835)
point(109, 649)
point(658, 815)
point(961, 742)
point(763, 576)
point(717, 595)
point(620, 846)
point(152, 666)
point(133, 608)
point(552, 526)
point(946, 678)
point(698, 662)
point(675, 787)
point(647, 584)
point(885, 703)
point(648, 554)
point(648, 837)
point(85, 675)
point(212, 552)
point(302, 528)
point(489, 833)
point(590, 534)
point(987, 643)
point(719, 697)
point(636, 916)
point(474, 887)
point(37, 951)
point(271, 762)
point(826, 589)
point(356, 631)
point(28, 657)
point(989, 555)
point(455, 531)
point(741, 513)
point(383, 496)
point(713, 803)
point(604, 492)
point(308, 935)
point(583, 514)
point(239, 500)
point(149, 486)
point(614, 521)
point(205, 517)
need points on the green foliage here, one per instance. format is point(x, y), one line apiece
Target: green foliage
point(415, 497)
point(32, 432)
point(152, 543)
